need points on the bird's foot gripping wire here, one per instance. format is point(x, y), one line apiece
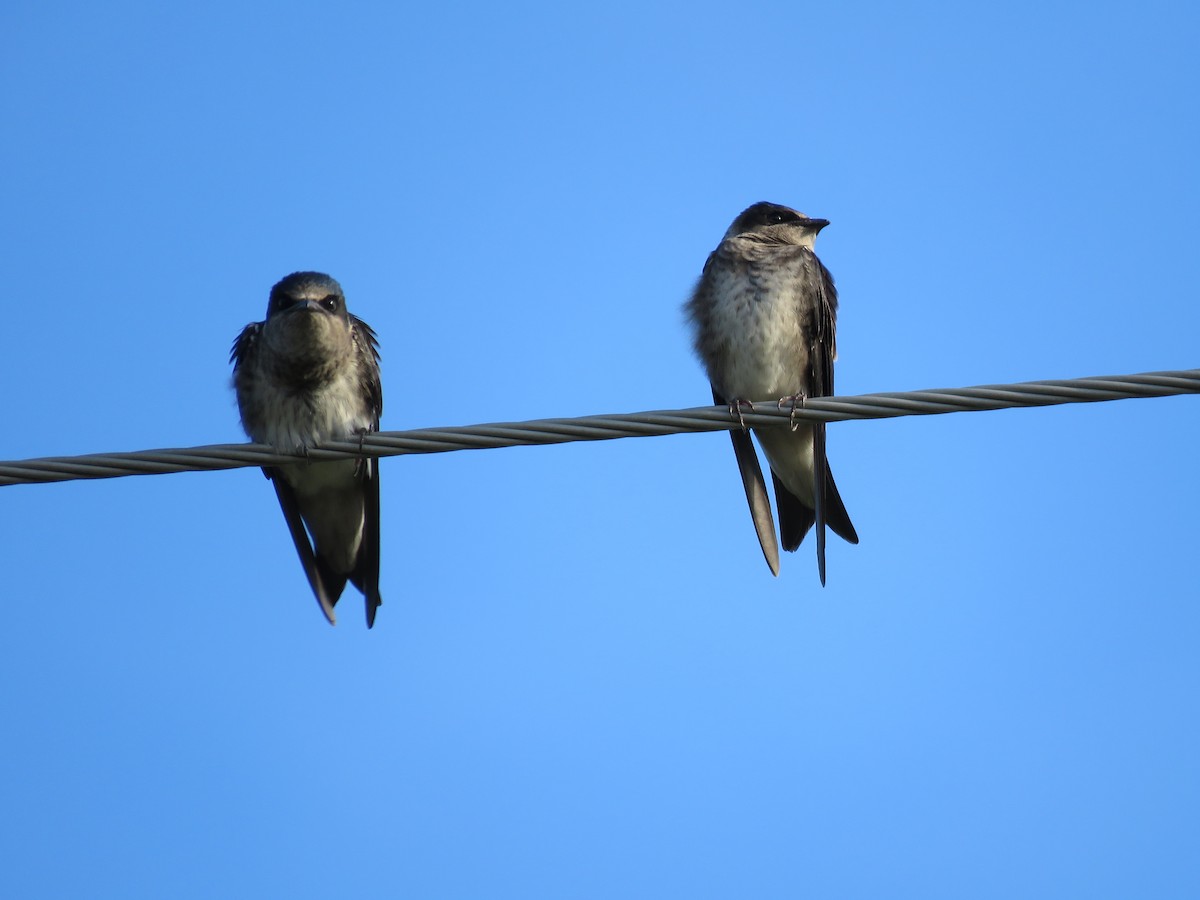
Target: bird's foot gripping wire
point(797, 402)
point(360, 463)
point(736, 407)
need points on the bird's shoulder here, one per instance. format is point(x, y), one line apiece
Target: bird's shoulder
point(370, 382)
point(245, 344)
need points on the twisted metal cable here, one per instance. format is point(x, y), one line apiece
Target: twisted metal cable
point(602, 428)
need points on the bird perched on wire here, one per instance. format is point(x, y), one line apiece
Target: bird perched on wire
point(307, 374)
point(764, 314)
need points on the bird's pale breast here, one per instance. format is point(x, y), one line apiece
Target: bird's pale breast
point(756, 316)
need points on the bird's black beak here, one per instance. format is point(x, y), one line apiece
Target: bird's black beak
point(309, 306)
point(816, 224)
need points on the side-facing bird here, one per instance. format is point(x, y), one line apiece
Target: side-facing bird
point(307, 374)
point(764, 315)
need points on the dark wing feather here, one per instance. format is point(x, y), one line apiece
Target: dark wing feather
point(756, 490)
point(821, 353)
point(323, 582)
point(830, 510)
point(366, 569)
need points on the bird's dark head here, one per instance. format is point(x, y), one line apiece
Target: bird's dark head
point(307, 292)
point(779, 223)
point(307, 318)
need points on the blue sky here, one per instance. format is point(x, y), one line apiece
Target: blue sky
point(584, 682)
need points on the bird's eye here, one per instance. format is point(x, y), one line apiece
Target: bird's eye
point(778, 218)
point(330, 302)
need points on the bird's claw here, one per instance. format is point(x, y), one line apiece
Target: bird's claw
point(362, 461)
point(797, 402)
point(736, 407)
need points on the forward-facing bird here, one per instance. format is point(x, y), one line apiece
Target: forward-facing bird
point(307, 374)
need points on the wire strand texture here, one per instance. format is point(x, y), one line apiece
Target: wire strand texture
point(766, 413)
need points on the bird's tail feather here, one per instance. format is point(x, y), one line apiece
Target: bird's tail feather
point(331, 581)
point(795, 519)
point(836, 515)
